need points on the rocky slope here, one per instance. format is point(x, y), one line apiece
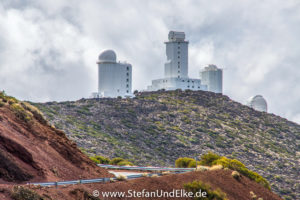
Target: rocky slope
point(31, 150)
point(158, 127)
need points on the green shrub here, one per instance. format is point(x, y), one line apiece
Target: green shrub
point(102, 159)
point(184, 162)
point(1, 103)
point(233, 164)
point(209, 158)
point(20, 112)
point(192, 164)
point(125, 163)
point(196, 186)
point(115, 161)
point(22, 193)
point(35, 111)
point(229, 163)
point(95, 160)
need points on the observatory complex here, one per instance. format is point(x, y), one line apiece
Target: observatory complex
point(176, 69)
point(114, 78)
point(258, 103)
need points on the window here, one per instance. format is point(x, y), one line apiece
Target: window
point(127, 68)
point(127, 74)
point(178, 47)
point(178, 56)
point(182, 80)
point(127, 80)
point(178, 76)
point(192, 86)
point(188, 81)
point(178, 52)
point(188, 86)
point(127, 91)
point(127, 85)
point(178, 71)
point(198, 87)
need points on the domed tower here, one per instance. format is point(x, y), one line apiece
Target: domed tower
point(258, 103)
point(107, 56)
point(114, 78)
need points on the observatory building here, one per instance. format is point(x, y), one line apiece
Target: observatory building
point(258, 103)
point(212, 76)
point(176, 67)
point(114, 78)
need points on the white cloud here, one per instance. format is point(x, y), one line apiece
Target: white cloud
point(48, 49)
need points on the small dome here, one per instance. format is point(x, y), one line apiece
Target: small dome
point(258, 102)
point(107, 56)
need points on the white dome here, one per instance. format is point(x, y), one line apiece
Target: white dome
point(258, 103)
point(107, 56)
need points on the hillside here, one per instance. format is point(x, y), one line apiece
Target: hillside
point(32, 151)
point(158, 127)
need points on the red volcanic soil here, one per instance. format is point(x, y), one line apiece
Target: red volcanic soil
point(235, 189)
point(33, 151)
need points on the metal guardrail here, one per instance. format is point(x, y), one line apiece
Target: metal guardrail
point(144, 168)
point(103, 180)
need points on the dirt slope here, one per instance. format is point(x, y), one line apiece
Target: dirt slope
point(31, 150)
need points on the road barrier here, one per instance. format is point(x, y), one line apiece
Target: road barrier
point(103, 180)
point(139, 168)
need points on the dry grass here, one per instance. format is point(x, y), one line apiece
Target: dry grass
point(121, 177)
point(216, 167)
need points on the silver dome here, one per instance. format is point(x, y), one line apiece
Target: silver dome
point(258, 102)
point(107, 56)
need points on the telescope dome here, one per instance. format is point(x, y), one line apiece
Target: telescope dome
point(107, 56)
point(258, 103)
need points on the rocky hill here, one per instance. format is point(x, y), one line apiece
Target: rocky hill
point(158, 127)
point(32, 151)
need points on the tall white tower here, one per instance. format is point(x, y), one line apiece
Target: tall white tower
point(212, 76)
point(176, 67)
point(177, 56)
point(114, 78)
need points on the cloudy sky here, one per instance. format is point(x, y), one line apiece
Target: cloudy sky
point(49, 48)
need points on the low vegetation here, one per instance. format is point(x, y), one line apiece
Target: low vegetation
point(185, 162)
point(115, 161)
point(215, 162)
point(197, 186)
point(22, 193)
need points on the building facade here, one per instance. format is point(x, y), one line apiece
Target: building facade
point(176, 67)
point(114, 78)
point(212, 76)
